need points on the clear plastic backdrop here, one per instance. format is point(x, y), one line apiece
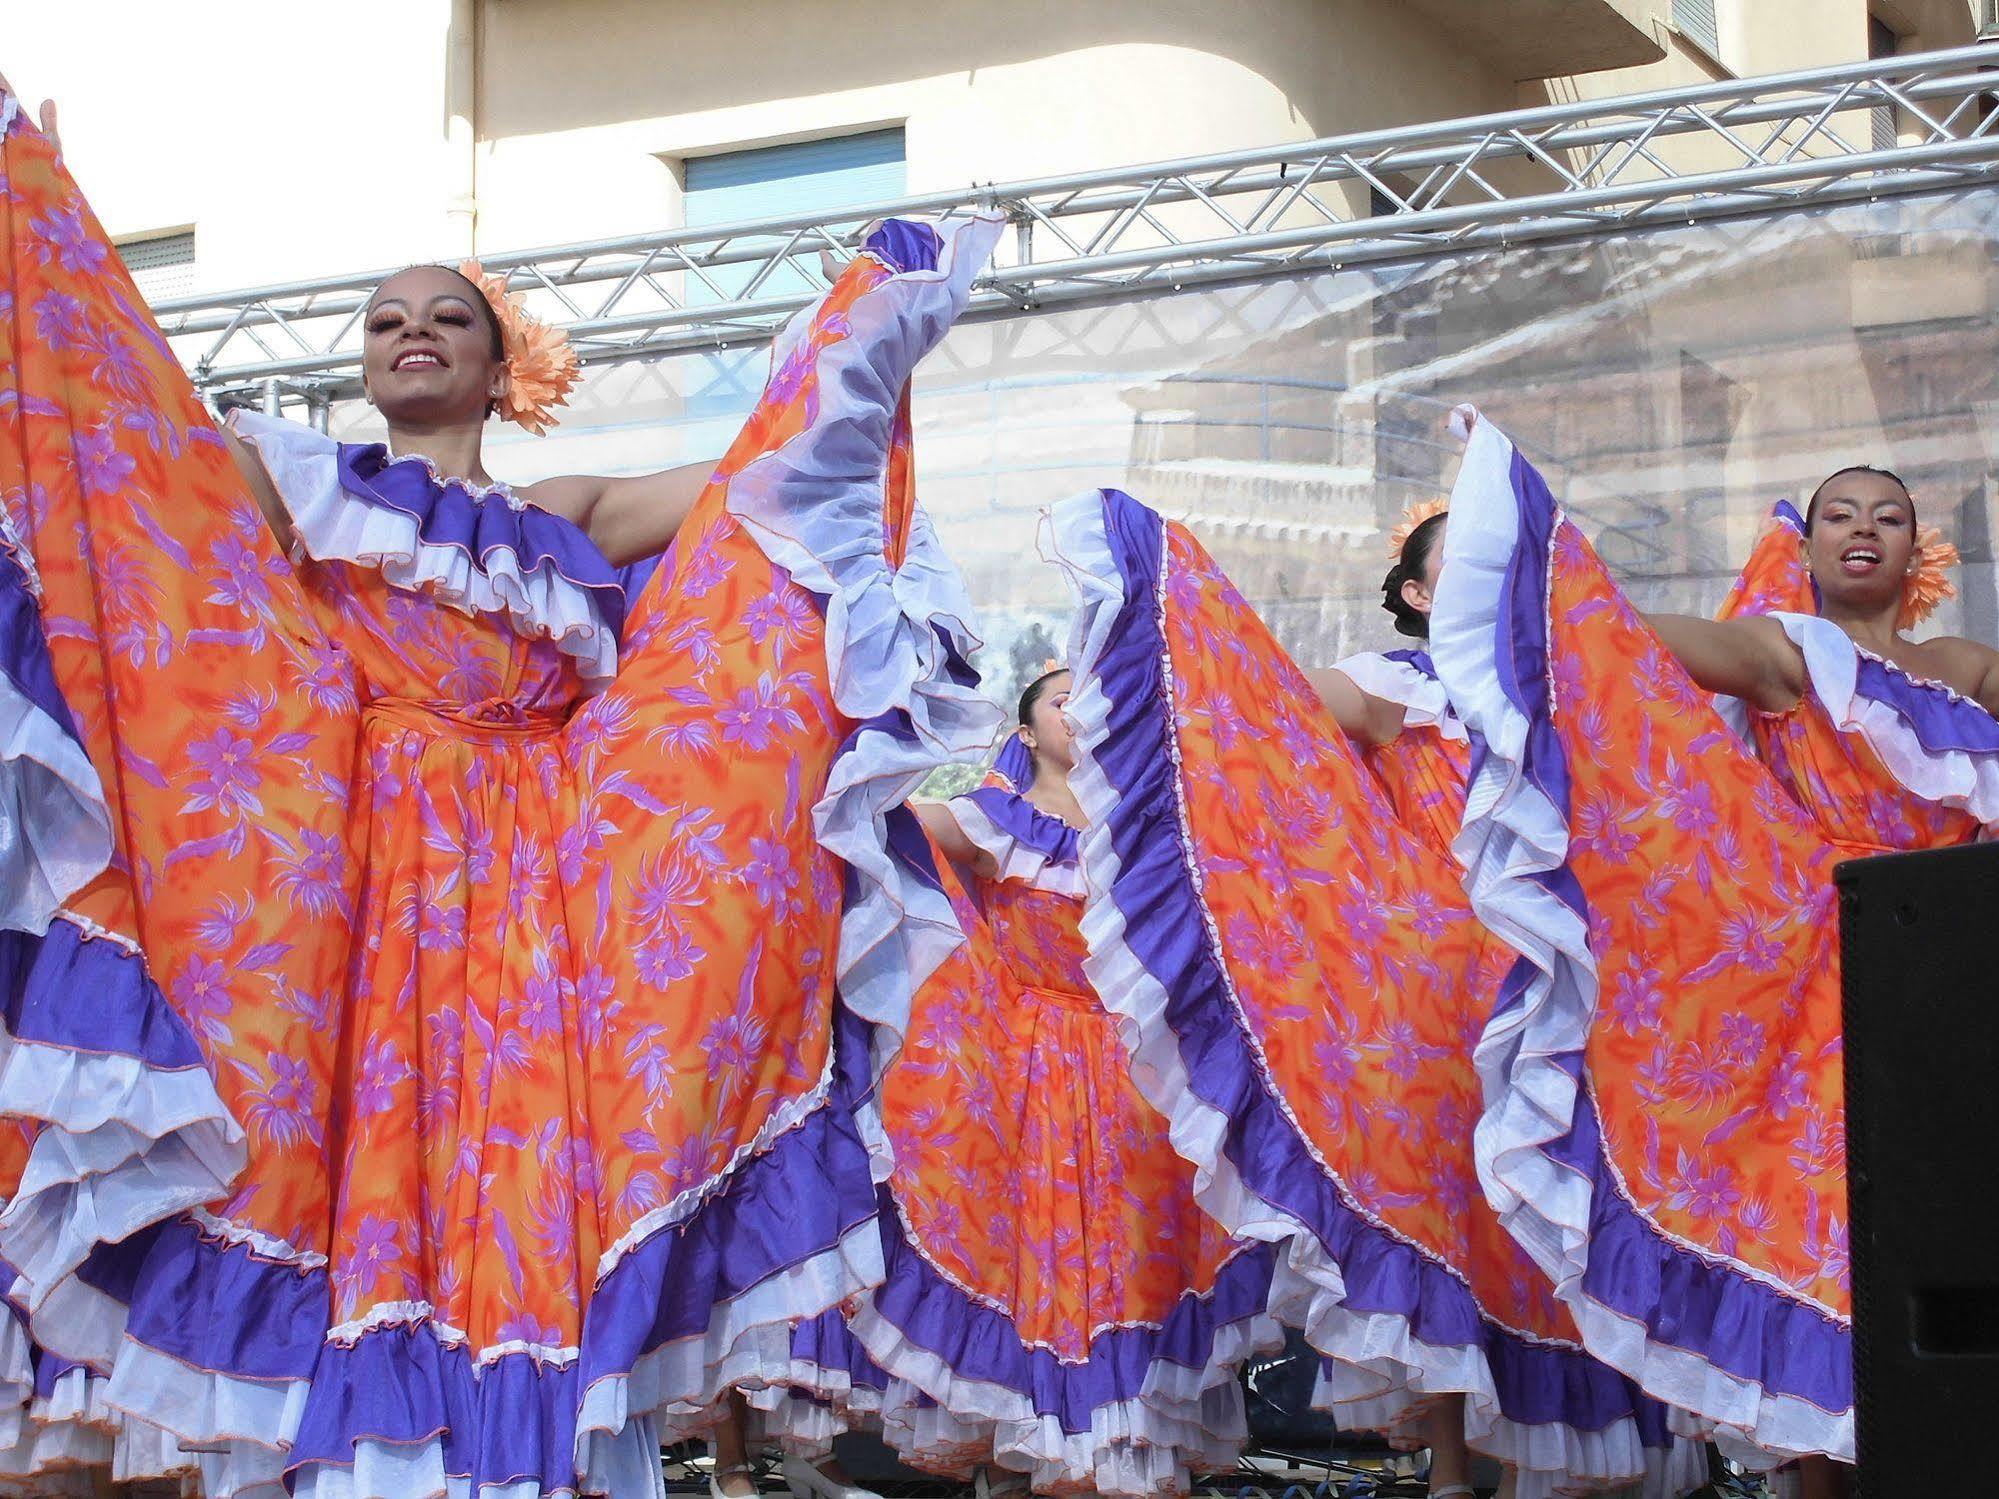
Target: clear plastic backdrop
point(1671, 385)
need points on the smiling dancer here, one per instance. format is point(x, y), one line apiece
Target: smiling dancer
point(425, 987)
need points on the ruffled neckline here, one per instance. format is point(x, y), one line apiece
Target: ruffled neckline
point(473, 548)
point(1408, 677)
point(438, 477)
point(479, 519)
point(1029, 845)
point(1840, 672)
point(1901, 672)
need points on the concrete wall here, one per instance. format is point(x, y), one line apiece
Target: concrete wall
point(984, 93)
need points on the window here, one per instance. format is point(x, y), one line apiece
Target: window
point(767, 182)
point(1695, 20)
point(161, 264)
point(788, 181)
point(1882, 42)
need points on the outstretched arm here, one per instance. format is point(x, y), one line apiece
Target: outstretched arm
point(258, 481)
point(636, 518)
point(628, 519)
point(941, 823)
point(1750, 657)
point(1367, 719)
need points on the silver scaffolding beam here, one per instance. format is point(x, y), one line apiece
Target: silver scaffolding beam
point(1589, 169)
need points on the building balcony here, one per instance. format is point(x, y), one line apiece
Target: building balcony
point(1552, 38)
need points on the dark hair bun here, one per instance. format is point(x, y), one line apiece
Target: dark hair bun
point(1034, 692)
point(1408, 621)
point(1416, 549)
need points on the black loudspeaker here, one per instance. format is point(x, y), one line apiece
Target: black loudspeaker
point(1921, 975)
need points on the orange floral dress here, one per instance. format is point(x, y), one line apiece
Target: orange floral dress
point(425, 981)
point(1055, 1300)
point(1665, 1119)
point(1301, 980)
point(1424, 769)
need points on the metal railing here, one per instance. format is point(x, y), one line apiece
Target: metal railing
point(1588, 169)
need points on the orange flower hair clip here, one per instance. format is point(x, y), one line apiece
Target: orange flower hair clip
point(1052, 665)
point(541, 367)
point(1927, 584)
point(1413, 517)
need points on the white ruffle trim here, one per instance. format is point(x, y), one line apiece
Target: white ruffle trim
point(1950, 777)
point(1552, 1461)
point(811, 1404)
point(1512, 833)
point(1382, 1361)
point(17, 1376)
point(335, 526)
point(674, 1391)
point(814, 506)
point(1016, 860)
point(1425, 705)
point(129, 1145)
point(73, 1432)
point(1133, 1447)
point(55, 830)
point(415, 1470)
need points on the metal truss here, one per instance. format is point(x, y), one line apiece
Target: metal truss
point(1757, 146)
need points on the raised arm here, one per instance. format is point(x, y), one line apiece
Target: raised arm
point(258, 481)
point(1750, 658)
point(628, 519)
point(941, 823)
point(1367, 719)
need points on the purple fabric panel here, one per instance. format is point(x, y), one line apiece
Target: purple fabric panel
point(977, 1342)
point(41, 977)
point(905, 245)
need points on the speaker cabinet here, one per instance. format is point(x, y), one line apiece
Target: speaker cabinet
point(1919, 951)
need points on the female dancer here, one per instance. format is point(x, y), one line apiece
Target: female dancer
point(1392, 705)
point(1395, 709)
point(1055, 1303)
point(1665, 1130)
point(427, 1007)
point(1303, 980)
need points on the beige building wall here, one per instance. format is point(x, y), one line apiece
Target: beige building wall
point(302, 140)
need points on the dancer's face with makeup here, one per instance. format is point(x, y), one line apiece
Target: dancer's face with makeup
point(1861, 540)
point(1046, 732)
point(431, 353)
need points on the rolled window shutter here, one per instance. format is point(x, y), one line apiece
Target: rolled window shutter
point(161, 264)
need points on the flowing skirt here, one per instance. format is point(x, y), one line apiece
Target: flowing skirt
point(1303, 981)
point(1665, 1122)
